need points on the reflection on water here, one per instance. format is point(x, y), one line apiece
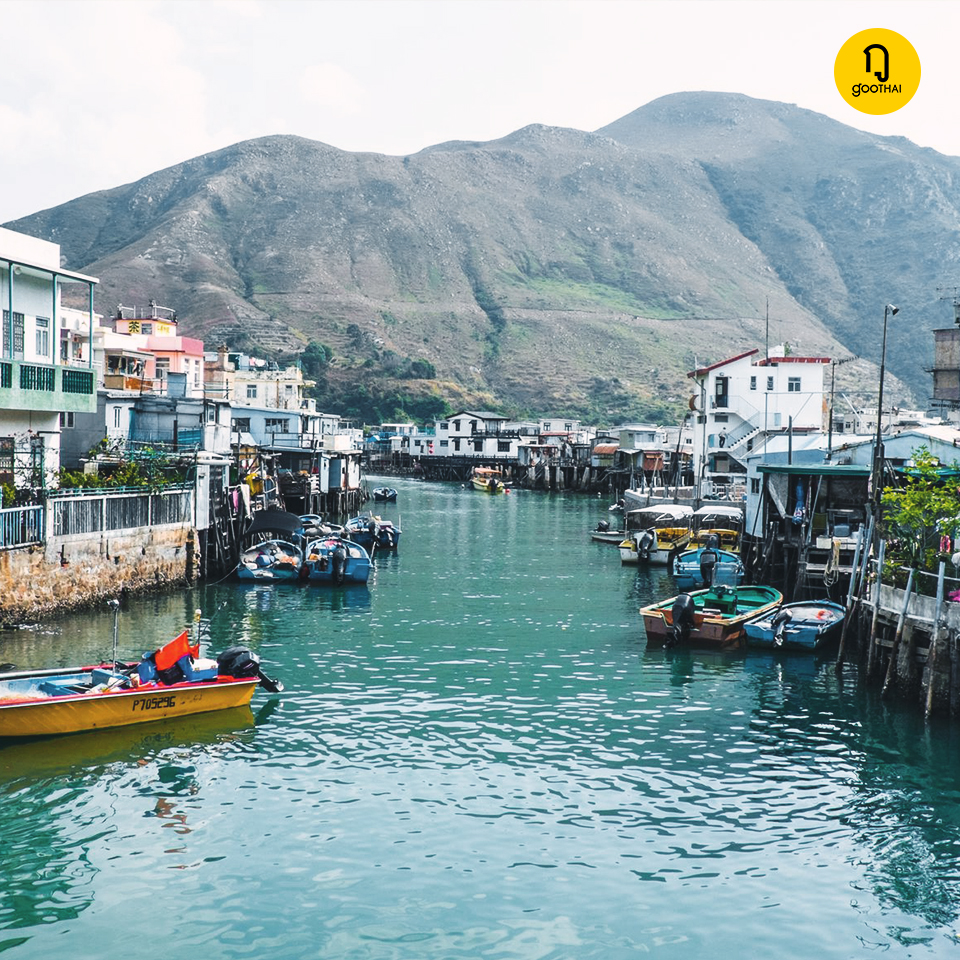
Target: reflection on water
point(476, 756)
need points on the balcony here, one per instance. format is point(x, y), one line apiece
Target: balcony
point(39, 386)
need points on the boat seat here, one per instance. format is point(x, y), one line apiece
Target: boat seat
point(60, 688)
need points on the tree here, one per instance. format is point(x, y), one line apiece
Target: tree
point(922, 518)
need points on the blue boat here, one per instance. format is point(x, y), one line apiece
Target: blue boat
point(805, 625)
point(373, 532)
point(335, 560)
point(706, 566)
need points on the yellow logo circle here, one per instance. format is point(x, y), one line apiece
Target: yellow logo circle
point(877, 71)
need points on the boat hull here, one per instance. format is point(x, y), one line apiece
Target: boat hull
point(658, 555)
point(612, 537)
point(688, 575)
point(50, 716)
point(719, 618)
point(335, 561)
point(272, 560)
point(813, 626)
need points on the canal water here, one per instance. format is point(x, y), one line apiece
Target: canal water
point(477, 757)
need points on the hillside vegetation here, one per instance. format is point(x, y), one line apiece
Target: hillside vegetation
point(553, 271)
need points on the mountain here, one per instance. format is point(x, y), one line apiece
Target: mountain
point(552, 271)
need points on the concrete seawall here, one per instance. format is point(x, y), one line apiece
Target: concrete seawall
point(70, 573)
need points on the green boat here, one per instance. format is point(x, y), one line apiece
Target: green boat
point(710, 618)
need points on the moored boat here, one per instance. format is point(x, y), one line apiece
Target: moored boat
point(602, 533)
point(274, 547)
point(714, 617)
point(270, 560)
point(488, 480)
point(654, 533)
point(385, 494)
point(804, 625)
point(373, 532)
point(336, 560)
point(707, 566)
point(720, 521)
point(173, 681)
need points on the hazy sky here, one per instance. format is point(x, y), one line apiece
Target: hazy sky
point(98, 93)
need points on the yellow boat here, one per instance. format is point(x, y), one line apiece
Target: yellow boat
point(171, 682)
point(488, 479)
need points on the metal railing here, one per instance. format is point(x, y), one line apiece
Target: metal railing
point(100, 512)
point(21, 526)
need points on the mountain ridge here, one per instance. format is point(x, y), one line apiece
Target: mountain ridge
point(552, 270)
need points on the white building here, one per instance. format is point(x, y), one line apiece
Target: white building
point(740, 400)
point(44, 376)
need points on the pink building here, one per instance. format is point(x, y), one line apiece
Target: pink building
point(155, 329)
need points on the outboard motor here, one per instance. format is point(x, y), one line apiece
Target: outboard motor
point(779, 624)
point(645, 544)
point(683, 608)
point(241, 662)
point(708, 565)
point(339, 563)
point(238, 662)
point(603, 526)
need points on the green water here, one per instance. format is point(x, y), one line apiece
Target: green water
point(476, 757)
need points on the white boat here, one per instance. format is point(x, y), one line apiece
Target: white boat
point(654, 533)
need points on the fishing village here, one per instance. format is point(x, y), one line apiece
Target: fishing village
point(498, 507)
point(136, 460)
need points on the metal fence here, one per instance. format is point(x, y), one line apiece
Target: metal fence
point(101, 512)
point(21, 526)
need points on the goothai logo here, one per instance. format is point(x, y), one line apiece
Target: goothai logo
point(877, 71)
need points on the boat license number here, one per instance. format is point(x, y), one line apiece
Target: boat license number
point(142, 704)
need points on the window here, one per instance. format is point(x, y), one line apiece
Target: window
point(17, 334)
point(276, 425)
point(444, 443)
point(43, 337)
point(503, 446)
point(6, 459)
point(793, 385)
point(721, 417)
point(769, 383)
point(251, 391)
point(241, 425)
point(753, 383)
point(754, 484)
point(146, 328)
point(66, 420)
point(116, 417)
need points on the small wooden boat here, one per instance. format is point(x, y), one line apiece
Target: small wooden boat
point(705, 567)
point(714, 617)
point(373, 532)
point(270, 560)
point(655, 533)
point(805, 625)
point(385, 494)
point(488, 480)
point(171, 682)
point(335, 560)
